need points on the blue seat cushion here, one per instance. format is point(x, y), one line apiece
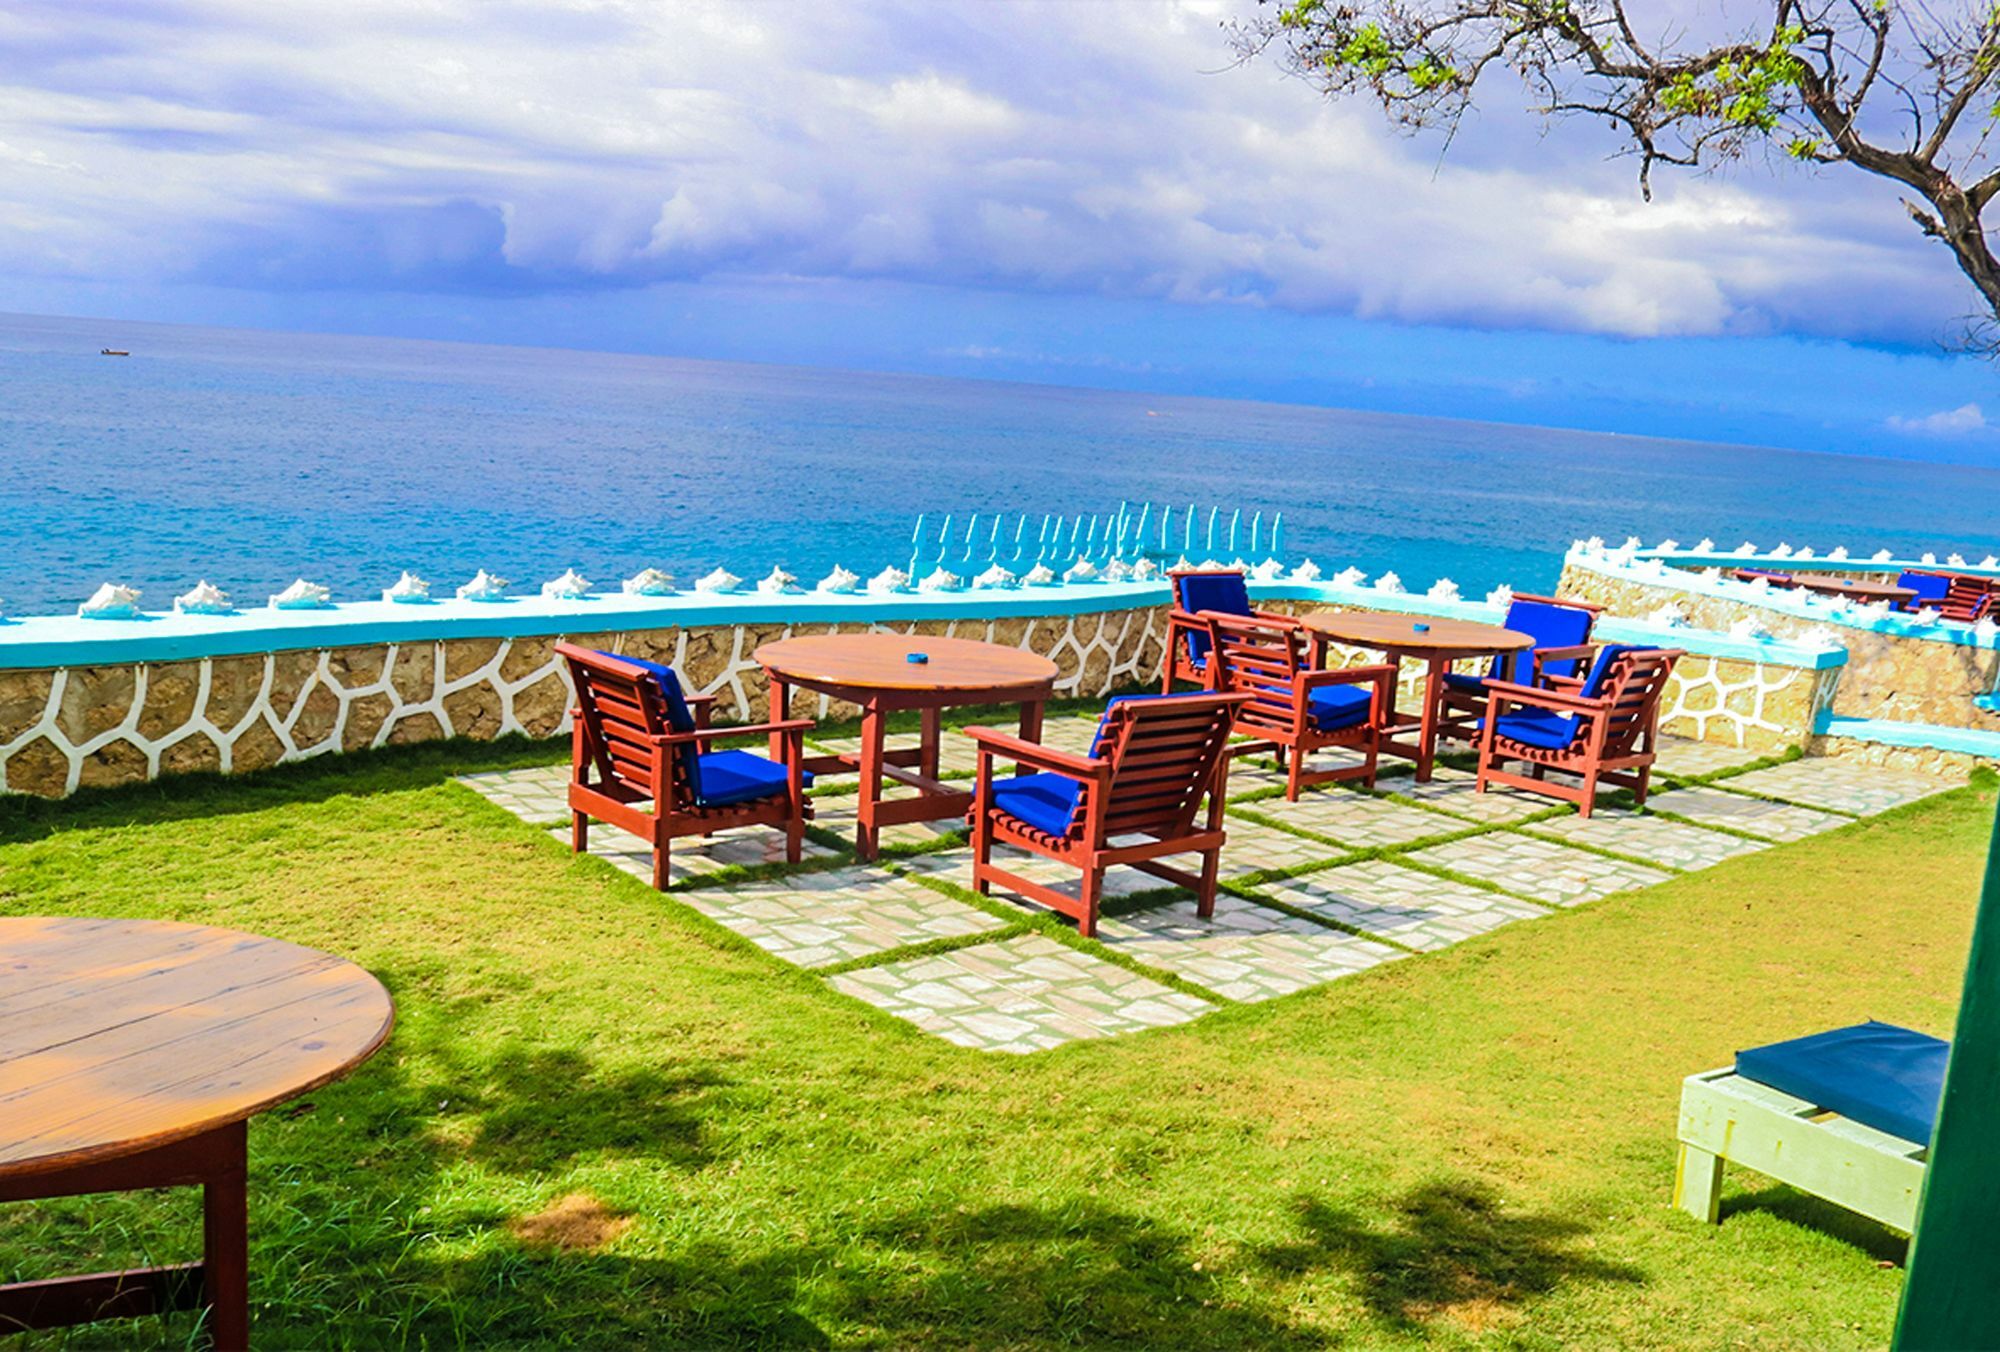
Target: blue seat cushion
point(1551, 626)
point(1927, 586)
point(1535, 727)
point(1465, 682)
point(1877, 1074)
point(1047, 802)
point(727, 777)
point(1332, 708)
point(1225, 593)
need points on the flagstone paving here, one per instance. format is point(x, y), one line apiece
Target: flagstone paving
point(1355, 820)
point(1679, 756)
point(1538, 869)
point(693, 856)
point(1453, 791)
point(957, 753)
point(1740, 812)
point(1674, 844)
point(1028, 991)
point(1244, 952)
point(1022, 994)
point(538, 795)
point(1838, 786)
point(1419, 910)
point(816, 919)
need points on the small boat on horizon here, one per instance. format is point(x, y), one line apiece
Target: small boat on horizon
point(112, 352)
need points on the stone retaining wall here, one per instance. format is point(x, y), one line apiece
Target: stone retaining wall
point(1896, 677)
point(70, 728)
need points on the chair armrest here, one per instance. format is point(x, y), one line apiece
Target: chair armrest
point(1313, 680)
point(1541, 697)
point(1013, 748)
point(1575, 652)
point(699, 735)
point(699, 706)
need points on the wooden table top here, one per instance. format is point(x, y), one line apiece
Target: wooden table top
point(881, 662)
point(120, 1035)
point(1848, 586)
point(1399, 633)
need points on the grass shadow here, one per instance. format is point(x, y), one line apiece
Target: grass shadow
point(1788, 1204)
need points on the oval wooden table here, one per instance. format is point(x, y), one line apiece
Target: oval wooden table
point(1863, 590)
point(876, 672)
point(1432, 640)
point(132, 1055)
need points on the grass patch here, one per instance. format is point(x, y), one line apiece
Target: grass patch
point(602, 1122)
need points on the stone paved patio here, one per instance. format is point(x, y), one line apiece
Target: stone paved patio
point(1022, 994)
point(1538, 869)
point(1418, 910)
point(1027, 991)
point(1244, 952)
point(1679, 756)
point(1739, 812)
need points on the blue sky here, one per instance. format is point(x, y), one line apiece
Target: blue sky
point(1063, 192)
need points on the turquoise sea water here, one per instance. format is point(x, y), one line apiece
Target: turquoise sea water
point(252, 458)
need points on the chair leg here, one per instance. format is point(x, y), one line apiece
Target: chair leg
point(1645, 781)
point(982, 855)
point(661, 849)
point(579, 832)
point(1092, 892)
point(795, 838)
point(1698, 1184)
point(1589, 798)
point(1211, 869)
point(1293, 770)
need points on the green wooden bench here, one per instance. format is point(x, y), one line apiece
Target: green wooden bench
point(1726, 1119)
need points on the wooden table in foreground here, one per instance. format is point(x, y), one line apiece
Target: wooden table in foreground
point(1434, 641)
point(132, 1055)
point(876, 672)
point(1860, 589)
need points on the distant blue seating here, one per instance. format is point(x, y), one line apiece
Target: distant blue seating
point(1223, 591)
point(1929, 587)
point(1877, 1074)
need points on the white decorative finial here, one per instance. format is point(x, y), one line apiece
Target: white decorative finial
point(1707, 546)
point(1749, 627)
point(1880, 556)
point(718, 583)
point(995, 578)
point(778, 583)
point(302, 595)
point(1444, 589)
point(1306, 572)
point(1349, 577)
point(409, 590)
point(1041, 575)
point(1837, 554)
point(1669, 616)
point(839, 582)
point(1389, 584)
point(888, 582)
point(648, 582)
point(1145, 570)
point(1500, 597)
point(571, 586)
point(110, 602)
point(1669, 546)
point(484, 587)
point(204, 598)
point(1083, 570)
point(942, 579)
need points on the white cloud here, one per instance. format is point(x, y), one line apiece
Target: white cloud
point(1100, 148)
point(1953, 422)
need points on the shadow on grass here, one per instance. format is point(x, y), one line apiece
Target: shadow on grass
point(1804, 1210)
point(1453, 1254)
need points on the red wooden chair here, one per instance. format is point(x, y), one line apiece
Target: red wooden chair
point(1776, 579)
point(1293, 708)
point(1561, 630)
point(1602, 733)
point(1223, 590)
point(1966, 599)
point(637, 761)
point(1158, 764)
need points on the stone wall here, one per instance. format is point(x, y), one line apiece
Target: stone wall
point(70, 728)
point(1896, 677)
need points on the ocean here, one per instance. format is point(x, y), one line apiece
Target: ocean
point(251, 458)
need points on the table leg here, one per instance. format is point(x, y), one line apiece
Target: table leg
point(1427, 722)
point(867, 836)
point(781, 702)
point(225, 1229)
point(929, 743)
point(1031, 727)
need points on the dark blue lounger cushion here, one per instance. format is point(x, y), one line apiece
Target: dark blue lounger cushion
point(1877, 1074)
point(1927, 586)
point(716, 778)
point(1045, 801)
point(1225, 593)
point(1552, 627)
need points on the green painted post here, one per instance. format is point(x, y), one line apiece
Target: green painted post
point(1948, 1296)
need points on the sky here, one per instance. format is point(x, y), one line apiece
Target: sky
point(1086, 192)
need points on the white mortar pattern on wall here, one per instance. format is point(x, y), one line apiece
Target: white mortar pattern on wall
point(1695, 676)
point(1118, 645)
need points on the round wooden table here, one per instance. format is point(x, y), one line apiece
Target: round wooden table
point(876, 672)
point(1432, 640)
point(132, 1055)
point(1861, 589)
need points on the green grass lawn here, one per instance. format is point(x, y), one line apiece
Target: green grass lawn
point(603, 1121)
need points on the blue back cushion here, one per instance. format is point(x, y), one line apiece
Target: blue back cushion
point(1593, 684)
point(1552, 627)
point(679, 717)
point(1927, 586)
point(1227, 593)
point(1877, 1074)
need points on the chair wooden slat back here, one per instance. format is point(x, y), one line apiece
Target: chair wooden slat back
point(1633, 686)
point(621, 710)
point(1163, 754)
point(1261, 658)
point(1965, 599)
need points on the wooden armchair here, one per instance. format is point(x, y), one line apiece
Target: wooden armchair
point(1223, 590)
point(1292, 708)
point(1561, 629)
point(1602, 733)
point(1157, 766)
point(637, 761)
